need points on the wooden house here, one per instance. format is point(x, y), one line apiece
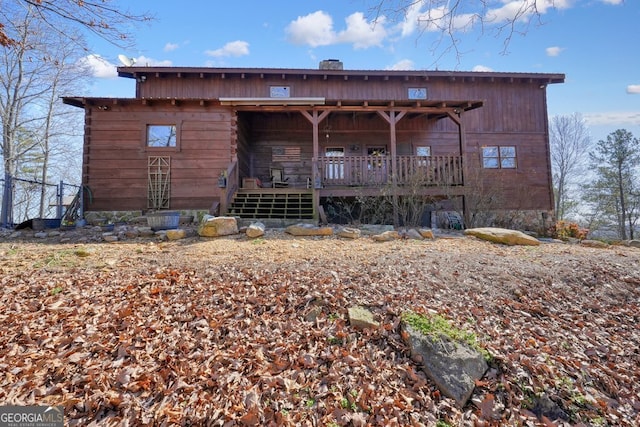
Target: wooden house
point(282, 143)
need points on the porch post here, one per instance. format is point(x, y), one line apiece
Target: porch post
point(315, 120)
point(392, 118)
point(456, 116)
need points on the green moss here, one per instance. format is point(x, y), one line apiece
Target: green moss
point(437, 326)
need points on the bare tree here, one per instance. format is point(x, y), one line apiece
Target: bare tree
point(34, 70)
point(448, 19)
point(570, 144)
point(100, 17)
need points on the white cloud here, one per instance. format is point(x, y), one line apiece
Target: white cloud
point(483, 68)
point(554, 50)
point(613, 118)
point(614, 2)
point(316, 29)
point(99, 67)
point(633, 89)
point(524, 9)
point(235, 48)
point(405, 64)
point(143, 61)
point(169, 47)
point(437, 19)
point(361, 33)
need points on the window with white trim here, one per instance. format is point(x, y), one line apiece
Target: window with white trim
point(499, 157)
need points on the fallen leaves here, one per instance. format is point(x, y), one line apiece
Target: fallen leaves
point(220, 332)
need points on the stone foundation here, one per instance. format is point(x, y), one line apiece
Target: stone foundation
point(133, 217)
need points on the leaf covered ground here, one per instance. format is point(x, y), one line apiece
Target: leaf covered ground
point(244, 332)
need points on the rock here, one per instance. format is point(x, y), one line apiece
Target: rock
point(218, 226)
point(349, 233)
point(375, 228)
point(361, 318)
point(386, 236)
point(41, 235)
point(502, 235)
point(313, 313)
point(176, 234)
point(255, 230)
point(453, 366)
point(634, 243)
point(427, 233)
point(145, 231)
point(308, 230)
point(545, 407)
point(109, 237)
point(132, 233)
point(594, 244)
point(413, 234)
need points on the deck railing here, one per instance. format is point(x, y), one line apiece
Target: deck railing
point(377, 170)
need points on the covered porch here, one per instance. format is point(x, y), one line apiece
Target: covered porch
point(349, 148)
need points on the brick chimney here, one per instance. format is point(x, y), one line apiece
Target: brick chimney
point(331, 64)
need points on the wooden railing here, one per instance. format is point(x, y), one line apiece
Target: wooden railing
point(232, 185)
point(377, 170)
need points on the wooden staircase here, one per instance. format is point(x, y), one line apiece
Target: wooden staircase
point(276, 203)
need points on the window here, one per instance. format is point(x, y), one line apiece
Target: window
point(423, 151)
point(161, 136)
point(499, 157)
point(335, 165)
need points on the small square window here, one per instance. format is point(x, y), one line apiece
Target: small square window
point(161, 136)
point(508, 163)
point(507, 151)
point(490, 163)
point(423, 151)
point(499, 157)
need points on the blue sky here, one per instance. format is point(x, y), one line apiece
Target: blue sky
point(594, 42)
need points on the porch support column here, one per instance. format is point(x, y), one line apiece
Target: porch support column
point(392, 118)
point(456, 116)
point(315, 117)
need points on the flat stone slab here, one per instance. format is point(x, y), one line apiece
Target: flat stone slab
point(362, 318)
point(308, 230)
point(349, 233)
point(502, 235)
point(386, 236)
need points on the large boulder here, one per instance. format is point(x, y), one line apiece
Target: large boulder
point(218, 226)
point(502, 235)
point(453, 366)
point(308, 230)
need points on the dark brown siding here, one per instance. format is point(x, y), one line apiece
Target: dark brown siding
point(116, 156)
point(115, 169)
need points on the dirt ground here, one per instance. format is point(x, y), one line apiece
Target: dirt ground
point(233, 331)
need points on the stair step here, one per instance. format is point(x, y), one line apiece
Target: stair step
point(272, 205)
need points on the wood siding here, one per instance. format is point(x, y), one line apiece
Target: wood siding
point(116, 156)
point(212, 136)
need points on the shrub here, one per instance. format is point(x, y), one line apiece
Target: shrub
point(564, 230)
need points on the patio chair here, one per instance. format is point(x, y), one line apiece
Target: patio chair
point(277, 178)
